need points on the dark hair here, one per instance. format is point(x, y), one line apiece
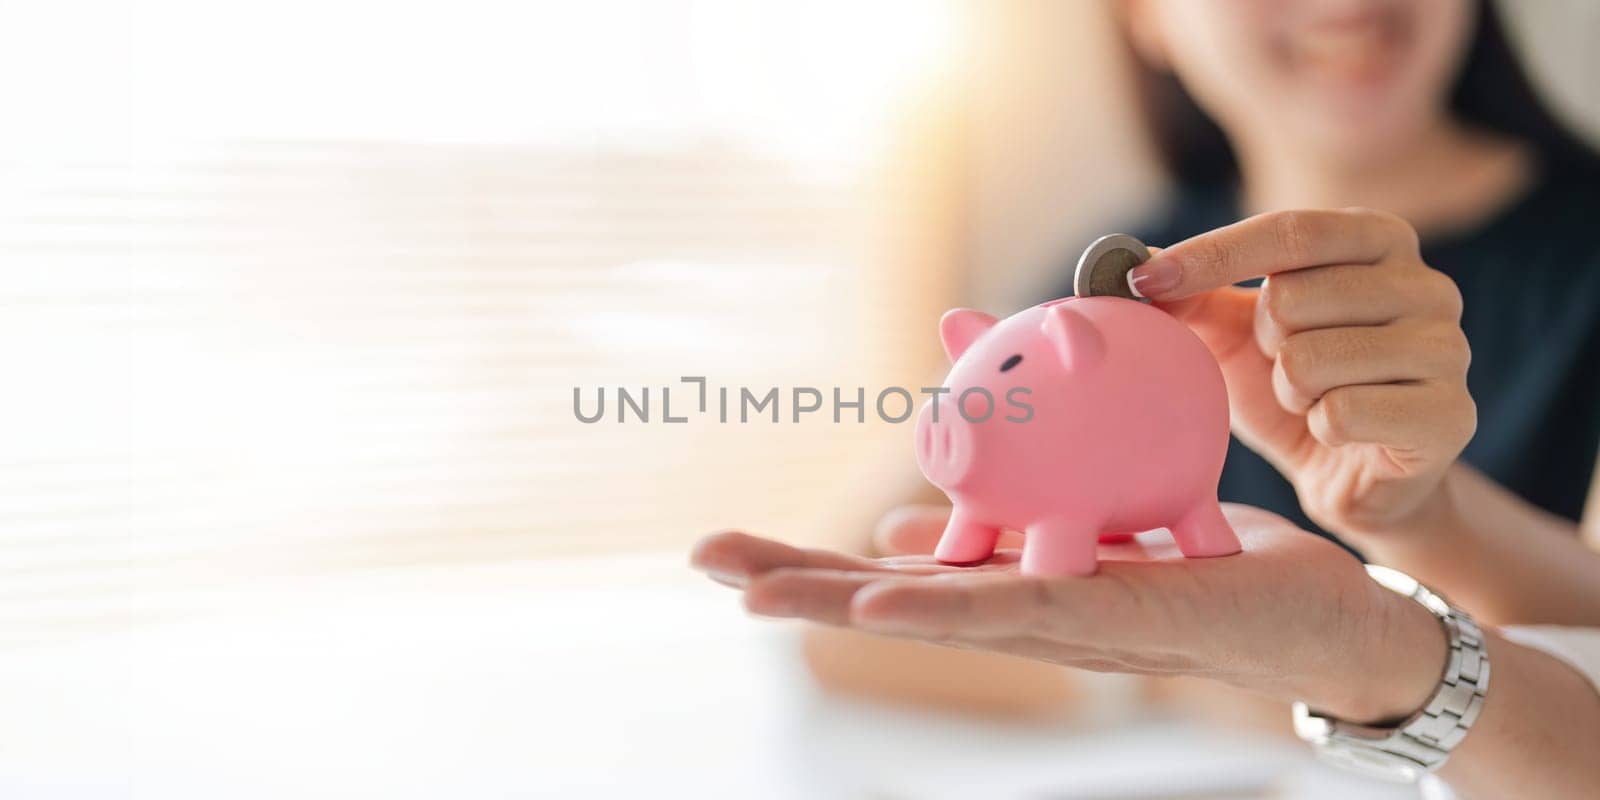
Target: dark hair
point(1492, 92)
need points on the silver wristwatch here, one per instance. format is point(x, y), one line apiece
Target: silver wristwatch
point(1422, 742)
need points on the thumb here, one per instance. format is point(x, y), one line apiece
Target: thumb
point(1224, 319)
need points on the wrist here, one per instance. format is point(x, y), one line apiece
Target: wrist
point(1439, 514)
point(1437, 521)
point(1395, 663)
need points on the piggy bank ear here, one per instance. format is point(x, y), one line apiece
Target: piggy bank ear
point(1076, 340)
point(960, 327)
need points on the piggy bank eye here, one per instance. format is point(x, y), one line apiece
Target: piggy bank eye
point(1011, 362)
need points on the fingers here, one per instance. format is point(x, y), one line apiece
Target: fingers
point(1427, 418)
point(1216, 617)
point(952, 608)
point(1312, 363)
point(733, 557)
point(967, 605)
point(979, 606)
point(1268, 244)
point(819, 595)
point(1327, 297)
point(831, 598)
point(1352, 296)
point(827, 596)
point(1348, 305)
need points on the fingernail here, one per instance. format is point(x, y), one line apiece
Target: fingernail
point(1155, 277)
point(726, 579)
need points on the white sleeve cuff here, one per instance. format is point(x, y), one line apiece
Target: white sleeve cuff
point(1578, 647)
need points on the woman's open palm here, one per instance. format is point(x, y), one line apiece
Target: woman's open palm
point(1291, 615)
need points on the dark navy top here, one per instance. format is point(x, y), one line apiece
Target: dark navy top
point(1530, 282)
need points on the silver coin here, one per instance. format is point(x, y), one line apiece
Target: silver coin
point(1104, 266)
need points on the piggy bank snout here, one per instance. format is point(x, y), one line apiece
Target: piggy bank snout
point(946, 449)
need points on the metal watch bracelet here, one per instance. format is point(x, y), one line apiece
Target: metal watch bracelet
point(1422, 742)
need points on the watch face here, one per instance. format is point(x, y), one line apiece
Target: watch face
point(1373, 763)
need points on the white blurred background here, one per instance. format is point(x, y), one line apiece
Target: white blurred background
point(293, 298)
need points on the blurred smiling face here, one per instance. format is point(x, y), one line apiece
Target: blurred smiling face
point(1354, 78)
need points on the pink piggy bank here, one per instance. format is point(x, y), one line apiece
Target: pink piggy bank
point(1105, 417)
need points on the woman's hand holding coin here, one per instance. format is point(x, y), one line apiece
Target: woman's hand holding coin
point(1347, 367)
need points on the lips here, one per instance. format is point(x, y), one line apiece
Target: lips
point(1352, 49)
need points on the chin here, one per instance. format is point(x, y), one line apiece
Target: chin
point(1367, 129)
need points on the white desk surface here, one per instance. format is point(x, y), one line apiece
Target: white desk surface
point(548, 679)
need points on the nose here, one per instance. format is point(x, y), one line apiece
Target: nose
point(945, 448)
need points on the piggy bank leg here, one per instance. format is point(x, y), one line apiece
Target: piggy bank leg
point(966, 540)
point(1204, 532)
point(1060, 548)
